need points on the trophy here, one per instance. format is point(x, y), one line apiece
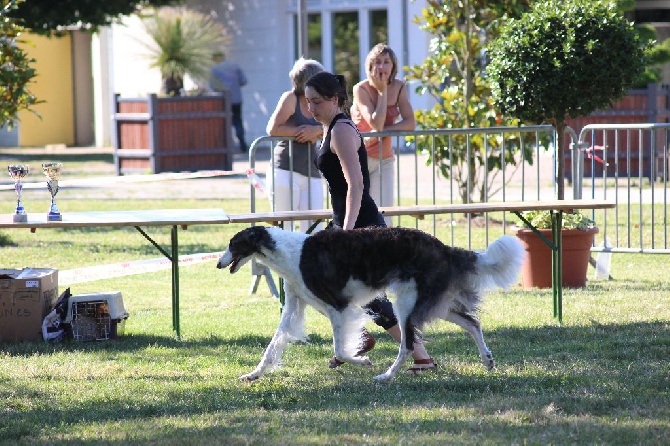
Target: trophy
point(52, 171)
point(18, 172)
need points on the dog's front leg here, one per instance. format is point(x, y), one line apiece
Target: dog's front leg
point(348, 325)
point(402, 307)
point(292, 307)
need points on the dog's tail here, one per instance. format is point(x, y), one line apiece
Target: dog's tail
point(500, 264)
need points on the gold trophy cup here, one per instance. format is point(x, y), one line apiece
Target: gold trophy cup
point(18, 172)
point(52, 171)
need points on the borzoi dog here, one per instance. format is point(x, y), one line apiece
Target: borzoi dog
point(338, 272)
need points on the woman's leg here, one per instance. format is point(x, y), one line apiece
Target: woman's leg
point(382, 182)
point(280, 196)
point(311, 197)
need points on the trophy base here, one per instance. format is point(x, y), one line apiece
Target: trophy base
point(54, 217)
point(20, 218)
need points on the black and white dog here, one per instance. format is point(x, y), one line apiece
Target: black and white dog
point(337, 272)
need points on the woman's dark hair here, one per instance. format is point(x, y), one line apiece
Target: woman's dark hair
point(330, 85)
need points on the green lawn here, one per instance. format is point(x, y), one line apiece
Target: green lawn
point(603, 377)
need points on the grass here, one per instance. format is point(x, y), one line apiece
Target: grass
point(603, 377)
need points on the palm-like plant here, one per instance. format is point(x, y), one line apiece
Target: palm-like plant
point(183, 42)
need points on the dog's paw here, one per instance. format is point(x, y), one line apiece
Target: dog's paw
point(363, 361)
point(384, 377)
point(488, 362)
point(253, 376)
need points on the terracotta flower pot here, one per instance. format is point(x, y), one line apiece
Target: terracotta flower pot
point(536, 269)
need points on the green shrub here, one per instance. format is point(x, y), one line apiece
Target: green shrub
point(563, 58)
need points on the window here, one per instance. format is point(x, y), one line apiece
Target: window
point(379, 31)
point(313, 37)
point(346, 46)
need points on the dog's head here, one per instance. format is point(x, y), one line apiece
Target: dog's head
point(243, 246)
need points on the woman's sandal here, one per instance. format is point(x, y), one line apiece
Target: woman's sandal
point(368, 344)
point(421, 366)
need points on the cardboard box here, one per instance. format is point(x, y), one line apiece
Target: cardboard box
point(26, 297)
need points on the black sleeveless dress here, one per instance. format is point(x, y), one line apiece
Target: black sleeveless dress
point(329, 164)
point(330, 167)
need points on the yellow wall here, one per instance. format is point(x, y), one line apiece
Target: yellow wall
point(53, 84)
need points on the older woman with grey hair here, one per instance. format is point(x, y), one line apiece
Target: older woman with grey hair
point(294, 180)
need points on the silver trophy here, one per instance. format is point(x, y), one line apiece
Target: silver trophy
point(52, 171)
point(18, 172)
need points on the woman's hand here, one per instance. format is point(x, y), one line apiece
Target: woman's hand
point(379, 80)
point(308, 133)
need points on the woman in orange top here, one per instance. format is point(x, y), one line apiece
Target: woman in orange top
point(381, 103)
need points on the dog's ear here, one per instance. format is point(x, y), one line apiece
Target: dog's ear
point(258, 237)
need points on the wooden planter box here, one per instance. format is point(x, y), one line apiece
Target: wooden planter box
point(172, 134)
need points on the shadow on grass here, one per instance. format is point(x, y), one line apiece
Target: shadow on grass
point(544, 375)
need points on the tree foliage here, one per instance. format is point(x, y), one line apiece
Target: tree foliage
point(183, 42)
point(15, 68)
point(50, 16)
point(658, 53)
point(453, 74)
point(564, 58)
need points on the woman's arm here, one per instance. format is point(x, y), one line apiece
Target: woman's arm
point(277, 124)
point(344, 142)
point(407, 120)
point(373, 114)
point(285, 107)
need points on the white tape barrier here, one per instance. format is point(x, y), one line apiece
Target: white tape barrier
point(98, 181)
point(92, 273)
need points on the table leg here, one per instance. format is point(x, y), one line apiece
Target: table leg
point(173, 257)
point(557, 264)
point(175, 281)
point(556, 257)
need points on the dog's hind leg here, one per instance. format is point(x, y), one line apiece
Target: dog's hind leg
point(292, 315)
point(472, 326)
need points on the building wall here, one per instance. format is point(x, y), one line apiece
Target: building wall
point(262, 43)
point(53, 85)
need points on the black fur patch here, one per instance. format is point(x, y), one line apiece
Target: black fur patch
point(379, 256)
point(251, 241)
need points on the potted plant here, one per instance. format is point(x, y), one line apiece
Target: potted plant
point(182, 42)
point(175, 132)
point(577, 233)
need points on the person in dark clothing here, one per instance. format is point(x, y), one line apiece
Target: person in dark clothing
point(227, 75)
point(342, 160)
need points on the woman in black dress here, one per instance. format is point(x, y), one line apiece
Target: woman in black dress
point(342, 160)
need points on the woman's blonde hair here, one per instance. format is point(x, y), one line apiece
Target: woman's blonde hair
point(302, 70)
point(376, 51)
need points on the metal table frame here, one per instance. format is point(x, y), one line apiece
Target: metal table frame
point(182, 218)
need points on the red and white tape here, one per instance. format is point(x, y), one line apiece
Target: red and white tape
point(99, 181)
point(92, 273)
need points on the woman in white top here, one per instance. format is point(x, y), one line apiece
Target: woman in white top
point(296, 182)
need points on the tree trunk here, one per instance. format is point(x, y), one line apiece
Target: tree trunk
point(173, 85)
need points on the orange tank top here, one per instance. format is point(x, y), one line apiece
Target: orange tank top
point(372, 144)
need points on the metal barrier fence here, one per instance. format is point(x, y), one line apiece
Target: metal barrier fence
point(420, 182)
point(629, 164)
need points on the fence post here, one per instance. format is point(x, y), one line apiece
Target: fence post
point(577, 158)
